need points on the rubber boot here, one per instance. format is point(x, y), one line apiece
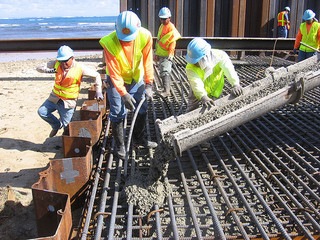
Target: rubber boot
point(139, 136)
point(117, 132)
point(166, 84)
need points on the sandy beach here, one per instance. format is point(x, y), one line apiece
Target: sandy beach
point(25, 149)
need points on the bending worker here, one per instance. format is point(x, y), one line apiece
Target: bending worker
point(63, 98)
point(283, 23)
point(309, 33)
point(205, 70)
point(129, 66)
point(165, 46)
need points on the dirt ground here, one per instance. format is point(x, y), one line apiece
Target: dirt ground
point(25, 149)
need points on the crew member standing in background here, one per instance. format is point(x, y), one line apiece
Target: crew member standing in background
point(165, 47)
point(309, 33)
point(63, 98)
point(283, 23)
point(129, 66)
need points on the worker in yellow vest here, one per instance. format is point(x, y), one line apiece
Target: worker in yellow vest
point(205, 70)
point(309, 33)
point(129, 68)
point(63, 98)
point(283, 23)
point(165, 47)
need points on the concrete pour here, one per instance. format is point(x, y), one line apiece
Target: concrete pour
point(144, 192)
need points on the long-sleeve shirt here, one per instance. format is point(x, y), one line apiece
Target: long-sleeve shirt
point(88, 72)
point(299, 36)
point(114, 67)
point(166, 29)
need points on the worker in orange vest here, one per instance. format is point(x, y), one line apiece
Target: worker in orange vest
point(129, 67)
point(165, 47)
point(309, 33)
point(63, 98)
point(283, 23)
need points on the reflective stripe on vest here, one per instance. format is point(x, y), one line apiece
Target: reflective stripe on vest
point(113, 45)
point(212, 84)
point(162, 45)
point(67, 87)
point(310, 39)
point(281, 20)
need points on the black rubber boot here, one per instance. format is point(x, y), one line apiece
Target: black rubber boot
point(166, 84)
point(139, 136)
point(117, 132)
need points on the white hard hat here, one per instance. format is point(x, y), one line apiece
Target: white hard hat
point(64, 53)
point(164, 13)
point(127, 26)
point(287, 8)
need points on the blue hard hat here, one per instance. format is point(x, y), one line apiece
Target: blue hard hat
point(64, 53)
point(308, 14)
point(197, 49)
point(127, 26)
point(164, 13)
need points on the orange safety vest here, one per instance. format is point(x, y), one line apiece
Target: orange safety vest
point(162, 43)
point(281, 20)
point(67, 87)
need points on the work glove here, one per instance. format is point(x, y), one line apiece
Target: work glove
point(129, 102)
point(99, 96)
point(170, 57)
point(207, 103)
point(149, 92)
point(51, 71)
point(237, 90)
point(295, 51)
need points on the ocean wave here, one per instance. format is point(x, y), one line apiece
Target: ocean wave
point(9, 25)
point(54, 27)
point(96, 24)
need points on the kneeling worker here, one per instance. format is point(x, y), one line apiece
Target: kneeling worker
point(205, 70)
point(63, 98)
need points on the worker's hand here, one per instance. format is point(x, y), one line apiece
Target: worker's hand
point(155, 58)
point(295, 51)
point(170, 58)
point(237, 90)
point(51, 70)
point(99, 96)
point(129, 102)
point(207, 103)
point(149, 91)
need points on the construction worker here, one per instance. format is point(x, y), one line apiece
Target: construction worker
point(63, 98)
point(283, 23)
point(165, 46)
point(205, 70)
point(129, 67)
point(309, 33)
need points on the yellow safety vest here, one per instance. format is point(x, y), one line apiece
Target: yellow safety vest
point(310, 39)
point(67, 87)
point(212, 84)
point(162, 45)
point(112, 44)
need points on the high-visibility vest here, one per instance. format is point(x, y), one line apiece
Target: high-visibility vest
point(162, 44)
point(281, 19)
point(113, 45)
point(310, 38)
point(212, 84)
point(67, 87)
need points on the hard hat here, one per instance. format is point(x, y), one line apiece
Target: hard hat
point(308, 14)
point(196, 50)
point(164, 13)
point(127, 26)
point(64, 53)
point(287, 8)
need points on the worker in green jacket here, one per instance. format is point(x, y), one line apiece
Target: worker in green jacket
point(205, 70)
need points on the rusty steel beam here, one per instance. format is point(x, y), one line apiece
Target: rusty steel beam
point(229, 43)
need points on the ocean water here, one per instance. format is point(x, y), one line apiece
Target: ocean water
point(56, 27)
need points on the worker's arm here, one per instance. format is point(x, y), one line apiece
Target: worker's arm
point(298, 40)
point(47, 67)
point(228, 69)
point(196, 83)
point(172, 47)
point(148, 61)
point(114, 72)
point(88, 72)
point(319, 34)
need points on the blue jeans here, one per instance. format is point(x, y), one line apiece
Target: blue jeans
point(47, 108)
point(282, 31)
point(118, 110)
point(304, 55)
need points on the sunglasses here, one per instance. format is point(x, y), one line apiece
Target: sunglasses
point(65, 60)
